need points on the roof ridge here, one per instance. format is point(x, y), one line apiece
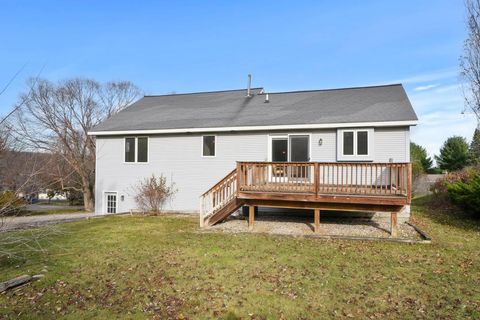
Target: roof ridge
point(200, 92)
point(335, 89)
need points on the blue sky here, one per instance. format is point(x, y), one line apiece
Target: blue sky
point(186, 46)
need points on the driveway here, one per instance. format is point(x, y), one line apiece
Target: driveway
point(14, 223)
point(45, 207)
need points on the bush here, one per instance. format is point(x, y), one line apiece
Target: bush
point(466, 193)
point(152, 193)
point(462, 188)
point(75, 198)
point(10, 202)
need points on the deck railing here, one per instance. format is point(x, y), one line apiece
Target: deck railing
point(380, 179)
point(312, 178)
point(218, 196)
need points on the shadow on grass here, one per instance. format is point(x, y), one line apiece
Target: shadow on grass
point(444, 213)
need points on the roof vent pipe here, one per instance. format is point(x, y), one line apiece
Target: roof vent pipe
point(249, 85)
point(266, 98)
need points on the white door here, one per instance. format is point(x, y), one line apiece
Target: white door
point(110, 202)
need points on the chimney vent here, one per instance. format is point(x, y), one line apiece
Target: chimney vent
point(249, 86)
point(266, 98)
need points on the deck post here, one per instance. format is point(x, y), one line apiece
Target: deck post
point(393, 224)
point(317, 220)
point(251, 215)
point(238, 178)
point(202, 222)
point(409, 183)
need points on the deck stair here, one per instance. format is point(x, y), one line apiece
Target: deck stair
point(314, 185)
point(220, 201)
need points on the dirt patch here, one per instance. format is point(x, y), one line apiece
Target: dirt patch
point(299, 226)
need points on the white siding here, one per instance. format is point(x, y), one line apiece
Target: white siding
point(392, 143)
point(179, 158)
point(327, 152)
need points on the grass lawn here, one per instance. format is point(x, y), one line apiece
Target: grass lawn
point(162, 267)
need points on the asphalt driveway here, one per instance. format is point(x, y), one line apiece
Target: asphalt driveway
point(15, 223)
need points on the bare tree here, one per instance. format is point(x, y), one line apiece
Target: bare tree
point(470, 60)
point(3, 140)
point(56, 117)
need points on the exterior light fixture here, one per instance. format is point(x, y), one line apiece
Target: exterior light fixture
point(320, 141)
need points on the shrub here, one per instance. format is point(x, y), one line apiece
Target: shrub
point(10, 202)
point(466, 192)
point(462, 188)
point(152, 193)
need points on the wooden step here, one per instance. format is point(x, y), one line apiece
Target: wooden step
point(223, 213)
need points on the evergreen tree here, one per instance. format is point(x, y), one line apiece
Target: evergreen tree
point(475, 148)
point(454, 154)
point(421, 162)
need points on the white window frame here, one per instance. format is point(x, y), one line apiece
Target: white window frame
point(105, 205)
point(356, 157)
point(287, 136)
point(136, 150)
point(215, 143)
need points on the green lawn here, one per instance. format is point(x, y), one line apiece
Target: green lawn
point(144, 267)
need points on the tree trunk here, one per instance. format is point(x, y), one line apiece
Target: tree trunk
point(88, 197)
point(88, 202)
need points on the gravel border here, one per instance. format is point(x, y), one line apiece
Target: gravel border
point(346, 229)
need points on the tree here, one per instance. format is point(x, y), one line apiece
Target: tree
point(470, 60)
point(56, 118)
point(453, 154)
point(475, 148)
point(421, 162)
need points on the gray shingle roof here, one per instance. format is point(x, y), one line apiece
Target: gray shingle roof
point(233, 109)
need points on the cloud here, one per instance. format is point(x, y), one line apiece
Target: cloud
point(425, 79)
point(424, 88)
point(442, 97)
point(440, 116)
point(434, 128)
point(429, 76)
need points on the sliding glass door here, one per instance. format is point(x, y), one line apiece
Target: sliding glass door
point(289, 148)
point(299, 148)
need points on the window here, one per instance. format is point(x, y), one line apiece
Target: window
point(129, 149)
point(136, 149)
point(208, 149)
point(348, 143)
point(362, 142)
point(142, 154)
point(355, 145)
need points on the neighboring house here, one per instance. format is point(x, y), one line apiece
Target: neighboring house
point(43, 195)
point(196, 139)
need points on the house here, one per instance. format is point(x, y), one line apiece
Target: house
point(342, 148)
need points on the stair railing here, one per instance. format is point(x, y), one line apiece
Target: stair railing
point(218, 196)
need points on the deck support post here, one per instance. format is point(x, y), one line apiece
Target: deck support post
point(251, 215)
point(317, 220)
point(393, 223)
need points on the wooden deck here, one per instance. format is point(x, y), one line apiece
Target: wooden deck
point(319, 186)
